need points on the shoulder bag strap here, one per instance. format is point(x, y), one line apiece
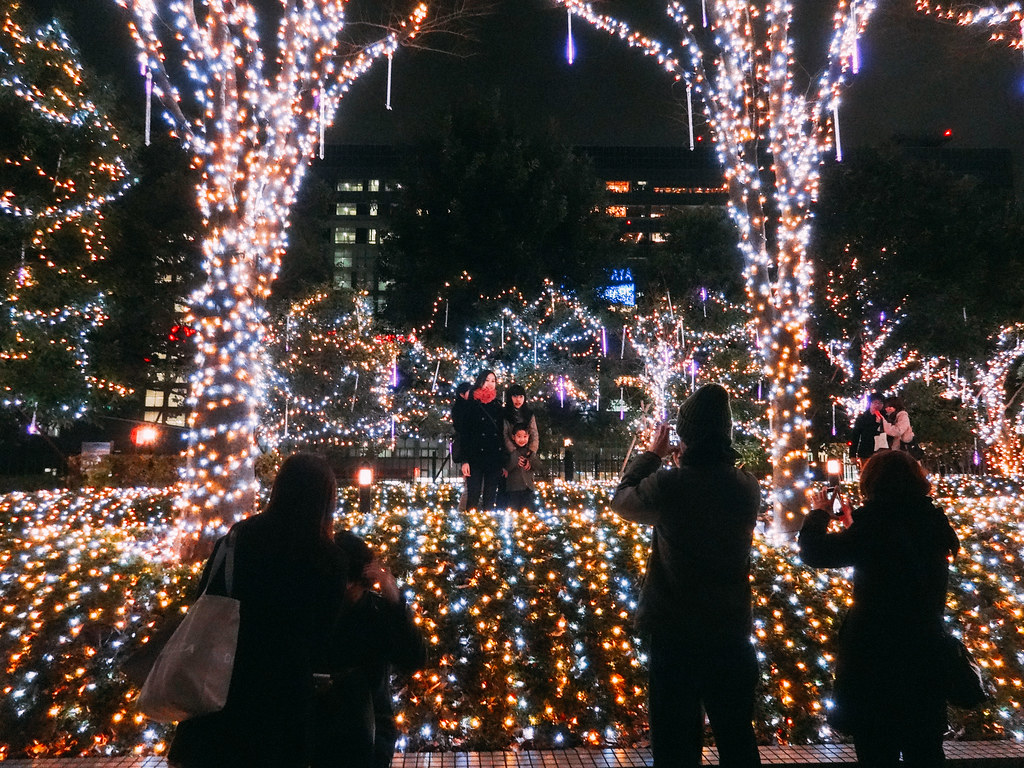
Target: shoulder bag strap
point(229, 563)
point(225, 556)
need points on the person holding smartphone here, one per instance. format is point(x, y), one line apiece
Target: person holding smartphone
point(695, 603)
point(888, 695)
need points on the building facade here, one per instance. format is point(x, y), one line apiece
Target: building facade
point(642, 186)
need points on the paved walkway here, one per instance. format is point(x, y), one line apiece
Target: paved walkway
point(959, 754)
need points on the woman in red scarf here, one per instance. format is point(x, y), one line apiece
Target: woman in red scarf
point(483, 449)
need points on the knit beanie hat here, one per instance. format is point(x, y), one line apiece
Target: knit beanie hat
point(705, 416)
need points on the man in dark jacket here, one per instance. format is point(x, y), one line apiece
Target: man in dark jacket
point(866, 428)
point(695, 603)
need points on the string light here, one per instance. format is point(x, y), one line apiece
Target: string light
point(1005, 20)
point(251, 121)
point(59, 189)
point(771, 140)
point(528, 617)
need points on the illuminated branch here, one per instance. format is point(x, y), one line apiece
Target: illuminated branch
point(771, 142)
point(1006, 22)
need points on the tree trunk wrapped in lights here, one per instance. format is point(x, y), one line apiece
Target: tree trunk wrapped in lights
point(1001, 402)
point(771, 140)
point(251, 119)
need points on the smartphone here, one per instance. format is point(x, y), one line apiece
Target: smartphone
point(836, 498)
point(673, 436)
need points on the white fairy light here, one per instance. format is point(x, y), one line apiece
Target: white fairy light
point(743, 67)
point(251, 122)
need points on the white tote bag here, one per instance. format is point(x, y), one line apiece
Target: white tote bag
point(192, 674)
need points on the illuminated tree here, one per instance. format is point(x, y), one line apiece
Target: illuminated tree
point(340, 379)
point(62, 161)
point(686, 344)
point(250, 111)
point(772, 130)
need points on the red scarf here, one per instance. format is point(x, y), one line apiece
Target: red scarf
point(484, 395)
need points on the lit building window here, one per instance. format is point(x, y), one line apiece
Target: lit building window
point(375, 185)
point(618, 211)
point(371, 236)
point(344, 209)
point(344, 235)
point(349, 186)
point(343, 258)
point(659, 237)
point(617, 186)
point(632, 237)
point(373, 209)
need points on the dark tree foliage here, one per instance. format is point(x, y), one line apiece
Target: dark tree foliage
point(894, 231)
point(151, 269)
point(700, 253)
point(485, 197)
point(307, 264)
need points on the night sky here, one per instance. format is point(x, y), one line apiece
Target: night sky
point(918, 78)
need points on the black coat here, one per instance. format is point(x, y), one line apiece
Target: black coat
point(290, 604)
point(862, 437)
point(356, 722)
point(889, 646)
point(481, 431)
point(698, 575)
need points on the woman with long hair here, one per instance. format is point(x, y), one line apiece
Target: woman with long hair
point(897, 423)
point(289, 578)
point(888, 693)
point(483, 449)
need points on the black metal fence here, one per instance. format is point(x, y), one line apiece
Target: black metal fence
point(431, 460)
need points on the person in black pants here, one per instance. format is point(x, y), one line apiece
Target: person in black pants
point(483, 442)
point(695, 603)
point(355, 720)
point(888, 694)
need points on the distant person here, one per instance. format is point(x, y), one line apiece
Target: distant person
point(868, 435)
point(483, 449)
point(355, 725)
point(289, 577)
point(519, 487)
point(888, 695)
point(695, 603)
point(460, 404)
point(897, 423)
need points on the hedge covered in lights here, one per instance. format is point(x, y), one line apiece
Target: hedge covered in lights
point(529, 618)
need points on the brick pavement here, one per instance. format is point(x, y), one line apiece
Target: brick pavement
point(959, 754)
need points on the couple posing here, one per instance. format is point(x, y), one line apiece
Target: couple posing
point(884, 425)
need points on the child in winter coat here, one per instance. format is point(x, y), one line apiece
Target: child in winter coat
point(519, 485)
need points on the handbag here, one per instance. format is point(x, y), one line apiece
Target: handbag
point(192, 674)
point(914, 449)
point(964, 685)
